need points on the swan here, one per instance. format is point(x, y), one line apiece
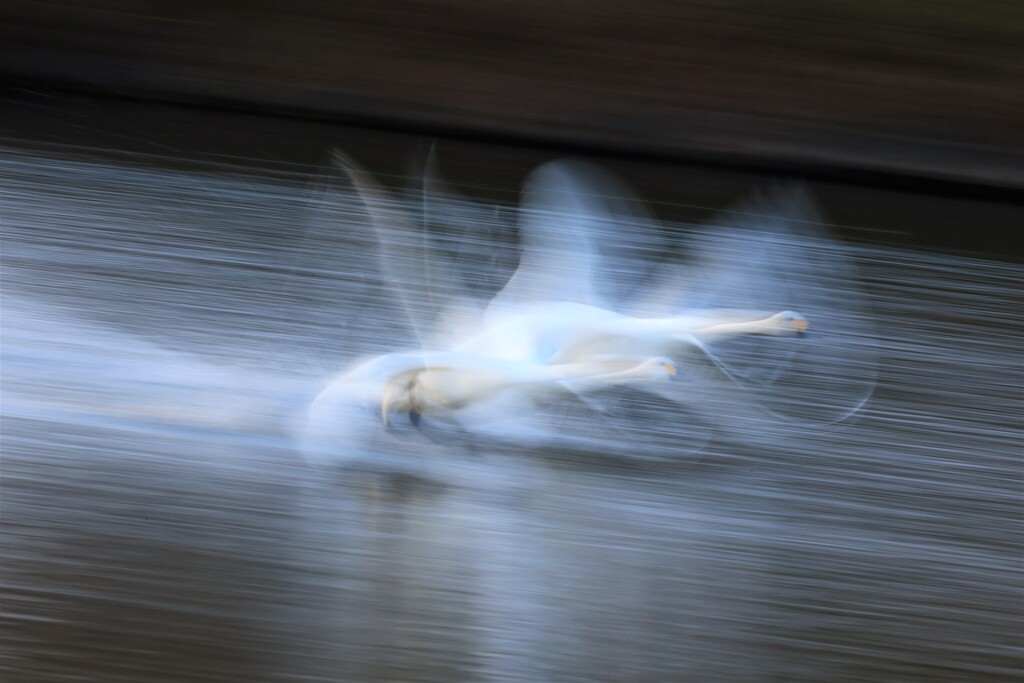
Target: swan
point(769, 254)
point(565, 332)
point(439, 389)
point(467, 390)
point(578, 228)
point(555, 291)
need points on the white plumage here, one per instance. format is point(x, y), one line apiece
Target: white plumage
point(556, 327)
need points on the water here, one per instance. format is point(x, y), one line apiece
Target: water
point(166, 319)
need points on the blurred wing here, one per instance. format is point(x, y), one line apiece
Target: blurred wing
point(774, 253)
point(337, 282)
point(585, 238)
point(626, 239)
point(473, 238)
point(558, 256)
point(415, 270)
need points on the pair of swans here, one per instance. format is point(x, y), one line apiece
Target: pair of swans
point(554, 327)
point(442, 384)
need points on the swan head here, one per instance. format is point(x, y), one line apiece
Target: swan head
point(659, 369)
point(788, 324)
point(397, 396)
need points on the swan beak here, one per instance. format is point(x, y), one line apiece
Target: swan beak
point(801, 326)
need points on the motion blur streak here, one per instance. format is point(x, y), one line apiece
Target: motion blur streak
point(166, 321)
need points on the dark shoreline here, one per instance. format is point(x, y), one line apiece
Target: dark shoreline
point(1005, 189)
point(956, 216)
point(911, 95)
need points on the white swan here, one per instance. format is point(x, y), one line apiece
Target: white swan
point(769, 254)
point(569, 332)
point(446, 385)
point(439, 384)
point(578, 228)
point(468, 390)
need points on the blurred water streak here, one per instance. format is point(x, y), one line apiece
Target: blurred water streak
point(163, 327)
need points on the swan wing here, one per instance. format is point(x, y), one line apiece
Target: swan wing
point(583, 235)
point(771, 253)
point(626, 240)
point(423, 279)
point(557, 216)
point(479, 236)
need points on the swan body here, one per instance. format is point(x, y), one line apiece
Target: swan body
point(570, 332)
point(456, 387)
point(442, 388)
point(441, 384)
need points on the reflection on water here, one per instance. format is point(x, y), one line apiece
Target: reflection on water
point(163, 331)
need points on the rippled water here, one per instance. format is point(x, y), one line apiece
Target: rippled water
point(166, 322)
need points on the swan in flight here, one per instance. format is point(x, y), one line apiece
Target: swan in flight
point(730, 307)
point(567, 332)
point(457, 387)
point(442, 387)
point(555, 293)
point(579, 229)
point(439, 384)
point(563, 324)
